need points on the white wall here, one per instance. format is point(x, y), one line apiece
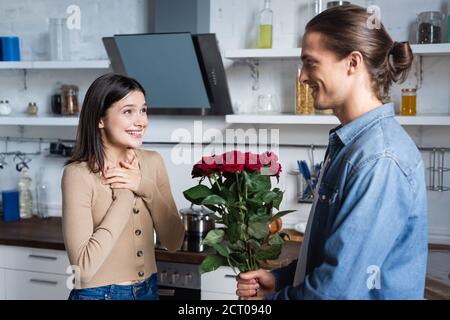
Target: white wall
point(230, 19)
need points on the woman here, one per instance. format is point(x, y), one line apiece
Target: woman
point(114, 195)
point(367, 231)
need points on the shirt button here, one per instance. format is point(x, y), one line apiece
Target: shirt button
point(114, 198)
point(140, 274)
point(140, 253)
point(135, 210)
point(138, 232)
point(323, 197)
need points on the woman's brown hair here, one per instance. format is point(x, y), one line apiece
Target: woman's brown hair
point(103, 92)
point(345, 29)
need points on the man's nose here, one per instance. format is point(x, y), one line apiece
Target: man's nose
point(303, 76)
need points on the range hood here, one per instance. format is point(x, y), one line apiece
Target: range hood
point(182, 73)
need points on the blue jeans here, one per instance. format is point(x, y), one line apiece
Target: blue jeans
point(146, 290)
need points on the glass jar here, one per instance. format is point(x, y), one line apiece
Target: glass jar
point(69, 100)
point(305, 101)
point(332, 4)
point(409, 102)
point(429, 27)
point(58, 39)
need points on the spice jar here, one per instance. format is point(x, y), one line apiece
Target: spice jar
point(304, 99)
point(69, 100)
point(429, 27)
point(408, 102)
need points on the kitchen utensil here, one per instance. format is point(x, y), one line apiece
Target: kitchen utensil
point(198, 220)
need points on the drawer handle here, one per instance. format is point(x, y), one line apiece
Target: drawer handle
point(35, 256)
point(45, 282)
point(230, 276)
point(166, 292)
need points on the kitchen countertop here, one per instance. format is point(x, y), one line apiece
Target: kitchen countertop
point(47, 234)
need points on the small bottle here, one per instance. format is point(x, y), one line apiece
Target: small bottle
point(25, 195)
point(265, 27)
point(409, 102)
point(32, 109)
point(41, 196)
point(5, 108)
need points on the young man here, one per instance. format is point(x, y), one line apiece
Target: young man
point(367, 232)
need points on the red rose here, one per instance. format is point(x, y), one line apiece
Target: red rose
point(268, 157)
point(252, 162)
point(205, 167)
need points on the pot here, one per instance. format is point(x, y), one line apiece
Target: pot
point(198, 220)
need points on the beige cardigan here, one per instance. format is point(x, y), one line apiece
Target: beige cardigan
point(108, 234)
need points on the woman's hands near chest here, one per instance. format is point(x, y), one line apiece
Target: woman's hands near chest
point(126, 176)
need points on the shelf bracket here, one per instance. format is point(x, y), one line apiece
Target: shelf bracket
point(419, 72)
point(253, 64)
point(25, 73)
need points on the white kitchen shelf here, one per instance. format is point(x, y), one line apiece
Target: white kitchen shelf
point(441, 49)
point(38, 121)
point(419, 120)
point(87, 64)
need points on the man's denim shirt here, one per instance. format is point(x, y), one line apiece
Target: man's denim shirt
point(369, 235)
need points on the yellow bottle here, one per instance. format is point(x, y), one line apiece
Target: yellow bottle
point(408, 102)
point(265, 27)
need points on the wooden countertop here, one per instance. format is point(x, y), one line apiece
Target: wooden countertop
point(47, 234)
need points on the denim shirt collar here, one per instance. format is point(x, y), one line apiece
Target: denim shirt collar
point(347, 133)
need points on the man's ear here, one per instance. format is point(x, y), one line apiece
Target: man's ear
point(101, 124)
point(355, 61)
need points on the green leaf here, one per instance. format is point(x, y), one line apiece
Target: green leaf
point(278, 199)
point(214, 237)
point(258, 230)
point(262, 183)
point(281, 214)
point(211, 263)
point(214, 200)
point(255, 245)
point(269, 197)
point(270, 253)
point(222, 250)
point(234, 232)
point(197, 194)
point(276, 239)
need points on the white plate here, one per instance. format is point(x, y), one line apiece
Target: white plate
point(300, 227)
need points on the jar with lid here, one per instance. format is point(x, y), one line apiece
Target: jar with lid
point(304, 98)
point(409, 102)
point(69, 100)
point(5, 108)
point(337, 3)
point(429, 27)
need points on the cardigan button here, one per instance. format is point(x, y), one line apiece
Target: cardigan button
point(140, 274)
point(138, 232)
point(114, 198)
point(135, 210)
point(140, 253)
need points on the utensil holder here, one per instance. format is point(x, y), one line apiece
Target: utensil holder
point(436, 171)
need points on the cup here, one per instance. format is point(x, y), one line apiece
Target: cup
point(11, 210)
point(268, 104)
point(10, 49)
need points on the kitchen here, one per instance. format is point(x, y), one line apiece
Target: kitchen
point(33, 264)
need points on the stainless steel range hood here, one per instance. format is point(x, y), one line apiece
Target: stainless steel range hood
point(182, 73)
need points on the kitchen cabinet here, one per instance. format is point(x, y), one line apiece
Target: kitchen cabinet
point(219, 284)
point(33, 274)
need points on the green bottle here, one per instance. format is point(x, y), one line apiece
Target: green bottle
point(265, 27)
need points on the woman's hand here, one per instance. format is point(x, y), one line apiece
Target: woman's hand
point(255, 285)
point(128, 176)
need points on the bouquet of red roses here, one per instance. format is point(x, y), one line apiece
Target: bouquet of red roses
point(237, 188)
